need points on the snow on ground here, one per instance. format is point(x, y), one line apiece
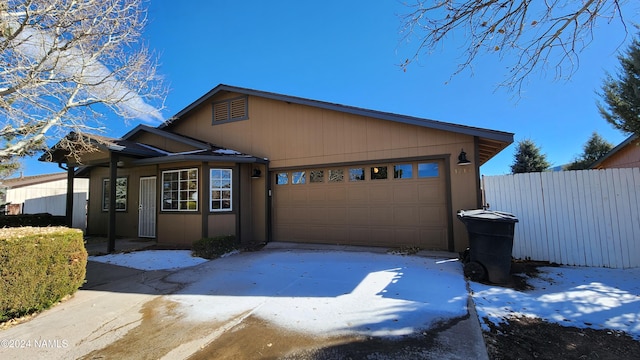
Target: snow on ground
point(334, 293)
point(152, 259)
point(326, 293)
point(583, 297)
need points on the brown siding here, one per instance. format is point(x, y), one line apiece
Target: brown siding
point(293, 135)
point(627, 157)
point(222, 224)
point(179, 229)
point(126, 221)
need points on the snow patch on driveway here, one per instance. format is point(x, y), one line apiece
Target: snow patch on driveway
point(326, 293)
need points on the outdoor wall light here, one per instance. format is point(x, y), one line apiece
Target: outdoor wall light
point(462, 158)
point(256, 173)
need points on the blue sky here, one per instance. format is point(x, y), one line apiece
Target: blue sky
point(348, 52)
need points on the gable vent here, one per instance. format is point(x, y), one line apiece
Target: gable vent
point(232, 109)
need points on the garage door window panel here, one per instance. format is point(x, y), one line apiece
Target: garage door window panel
point(356, 174)
point(316, 176)
point(403, 171)
point(428, 170)
point(282, 178)
point(378, 173)
point(336, 175)
point(298, 178)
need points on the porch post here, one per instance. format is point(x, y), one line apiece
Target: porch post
point(113, 175)
point(69, 207)
point(204, 199)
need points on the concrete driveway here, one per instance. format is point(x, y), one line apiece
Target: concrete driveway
point(280, 302)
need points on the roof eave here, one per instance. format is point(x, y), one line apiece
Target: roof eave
point(613, 151)
point(434, 124)
point(213, 158)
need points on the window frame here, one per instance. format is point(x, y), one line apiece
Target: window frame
point(353, 177)
point(221, 189)
point(379, 172)
point(298, 177)
point(180, 190)
point(106, 193)
point(282, 178)
point(432, 166)
point(398, 171)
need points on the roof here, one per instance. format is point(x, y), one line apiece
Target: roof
point(146, 154)
point(32, 180)
point(613, 151)
point(490, 141)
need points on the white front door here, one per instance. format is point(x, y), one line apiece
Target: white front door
point(147, 207)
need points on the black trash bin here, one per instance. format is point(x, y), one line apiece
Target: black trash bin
point(490, 244)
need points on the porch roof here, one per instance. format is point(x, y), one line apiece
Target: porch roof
point(144, 154)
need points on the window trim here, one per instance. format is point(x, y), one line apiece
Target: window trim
point(396, 173)
point(179, 190)
point(301, 177)
point(221, 189)
point(428, 175)
point(105, 193)
point(353, 177)
point(282, 178)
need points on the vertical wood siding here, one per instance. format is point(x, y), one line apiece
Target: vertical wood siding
point(586, 218)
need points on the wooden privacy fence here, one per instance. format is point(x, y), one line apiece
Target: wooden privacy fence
point(587, 218)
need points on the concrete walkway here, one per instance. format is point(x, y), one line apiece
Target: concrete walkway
point(114, 304)
point(99, 245)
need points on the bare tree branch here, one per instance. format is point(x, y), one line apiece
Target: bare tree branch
point(64, 64)
point(542, 35)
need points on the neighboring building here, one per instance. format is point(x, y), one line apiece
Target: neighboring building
point(625, 155)
point(266, 166)
point(46, 194)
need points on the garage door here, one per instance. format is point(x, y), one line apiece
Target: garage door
point(393, 205)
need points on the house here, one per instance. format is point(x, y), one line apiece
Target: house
point(46, 193)
point(266, 166)
point(625, 155)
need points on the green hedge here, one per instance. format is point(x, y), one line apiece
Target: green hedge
point(38, 267)
point(211, 248)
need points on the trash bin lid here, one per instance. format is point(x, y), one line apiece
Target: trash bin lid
point(487, 215)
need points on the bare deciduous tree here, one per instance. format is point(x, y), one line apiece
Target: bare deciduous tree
point(541, 34)
point(64, 64)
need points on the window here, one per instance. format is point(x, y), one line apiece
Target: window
point(316, 176)
point(232, 109)
point(282, 179)
point(403, 171)
point(221, 190)
point(180, 190)
point(336, 175)
point(378, 172)
point(298, 177)
point(121, 194)
point(356, 174)
point(427, 170)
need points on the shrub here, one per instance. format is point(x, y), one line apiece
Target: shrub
point(211, 248)
point(43, 219)
point(38, 267)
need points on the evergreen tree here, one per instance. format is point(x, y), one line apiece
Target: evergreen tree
point(528, 158)
point(622, 94)
point(594, 149)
